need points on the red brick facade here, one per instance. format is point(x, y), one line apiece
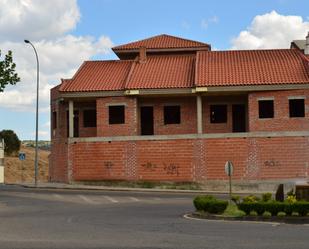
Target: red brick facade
point(190, 159)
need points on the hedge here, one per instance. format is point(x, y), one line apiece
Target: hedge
point(274, 207)
point(210, 204)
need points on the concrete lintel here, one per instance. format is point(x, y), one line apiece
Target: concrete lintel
point(193, 136)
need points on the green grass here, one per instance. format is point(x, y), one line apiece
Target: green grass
point(233, 211)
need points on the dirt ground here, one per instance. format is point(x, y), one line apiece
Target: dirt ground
point(16, 171)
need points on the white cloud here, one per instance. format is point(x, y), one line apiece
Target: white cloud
point(59, 58)
point(59, 54)
point(46, 23)
point(37, 19)
point(271, 30)
point(206, 22)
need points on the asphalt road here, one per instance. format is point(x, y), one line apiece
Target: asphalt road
point(96, 219)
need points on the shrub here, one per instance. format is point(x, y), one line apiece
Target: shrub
point(12, 143)
point(291, 199)
point(266, 214)
point(301, 207)
point(209, 204)
point(253, 213)
point(274, 207)
point(251, 199)
point(266, 197)
point(281, 214)
point(236, 199)
point(295, 213)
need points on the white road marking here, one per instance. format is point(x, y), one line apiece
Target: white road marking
point(86, 199)
point(110, 199)
point(134, 199)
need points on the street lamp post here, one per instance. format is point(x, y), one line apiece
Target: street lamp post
point(36, 166)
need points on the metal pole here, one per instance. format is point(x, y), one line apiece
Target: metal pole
point(36, 166)
point(230, 178)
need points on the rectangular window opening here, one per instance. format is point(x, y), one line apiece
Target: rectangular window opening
point(90, 118)
point(266, 108)
point(116, 114)
point(172, 114)
point(297, 107)
point(218, 113)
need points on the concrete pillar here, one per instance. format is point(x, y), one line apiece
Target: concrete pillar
point(2, 161)
point(199, 111)
point(71, 118)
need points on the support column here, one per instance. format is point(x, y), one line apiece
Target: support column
point(71, 118)
point(199, 112)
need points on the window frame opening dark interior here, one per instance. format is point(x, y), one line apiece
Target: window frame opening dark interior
point(172, 114)
point(266, 108)
point(116, 114)
point(89, 118)
point(297, 108)
point(218, 113)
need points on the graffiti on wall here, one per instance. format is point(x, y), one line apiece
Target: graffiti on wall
point(271, 163)
point(149, 166)
point(108, 165)
point(169, 168)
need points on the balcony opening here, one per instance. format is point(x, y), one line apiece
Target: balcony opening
point(90, 118)
point(146, 119)
point(239, 118)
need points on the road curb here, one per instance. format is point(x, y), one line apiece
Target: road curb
point(154, 190)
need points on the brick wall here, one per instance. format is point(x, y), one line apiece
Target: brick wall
point(187, 115)
point(209, 127)
point(192, 159)
point(129, 128)
point(281, 120)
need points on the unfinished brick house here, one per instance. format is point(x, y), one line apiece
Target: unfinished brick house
point(173, 110)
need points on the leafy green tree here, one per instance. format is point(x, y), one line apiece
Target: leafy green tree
point(11, 141)
point(7, 71)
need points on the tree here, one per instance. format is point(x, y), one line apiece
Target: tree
point(7, 71)
point(11, 141)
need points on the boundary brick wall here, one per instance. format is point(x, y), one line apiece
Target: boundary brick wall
point(191, 159)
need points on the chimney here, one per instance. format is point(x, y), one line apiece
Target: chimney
point(142, 55)
point(307, 44)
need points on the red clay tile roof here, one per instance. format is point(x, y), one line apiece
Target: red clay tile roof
point(208, 68)
point(163, 72)
point(251, 67)
point(162, 42)
point(98, 76)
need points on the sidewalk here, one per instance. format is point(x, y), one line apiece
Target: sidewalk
point(115, 188)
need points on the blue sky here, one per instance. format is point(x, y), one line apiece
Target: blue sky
point(68, 32)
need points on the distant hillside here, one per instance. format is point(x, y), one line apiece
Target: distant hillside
point(13, 172)
point(42, 144)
